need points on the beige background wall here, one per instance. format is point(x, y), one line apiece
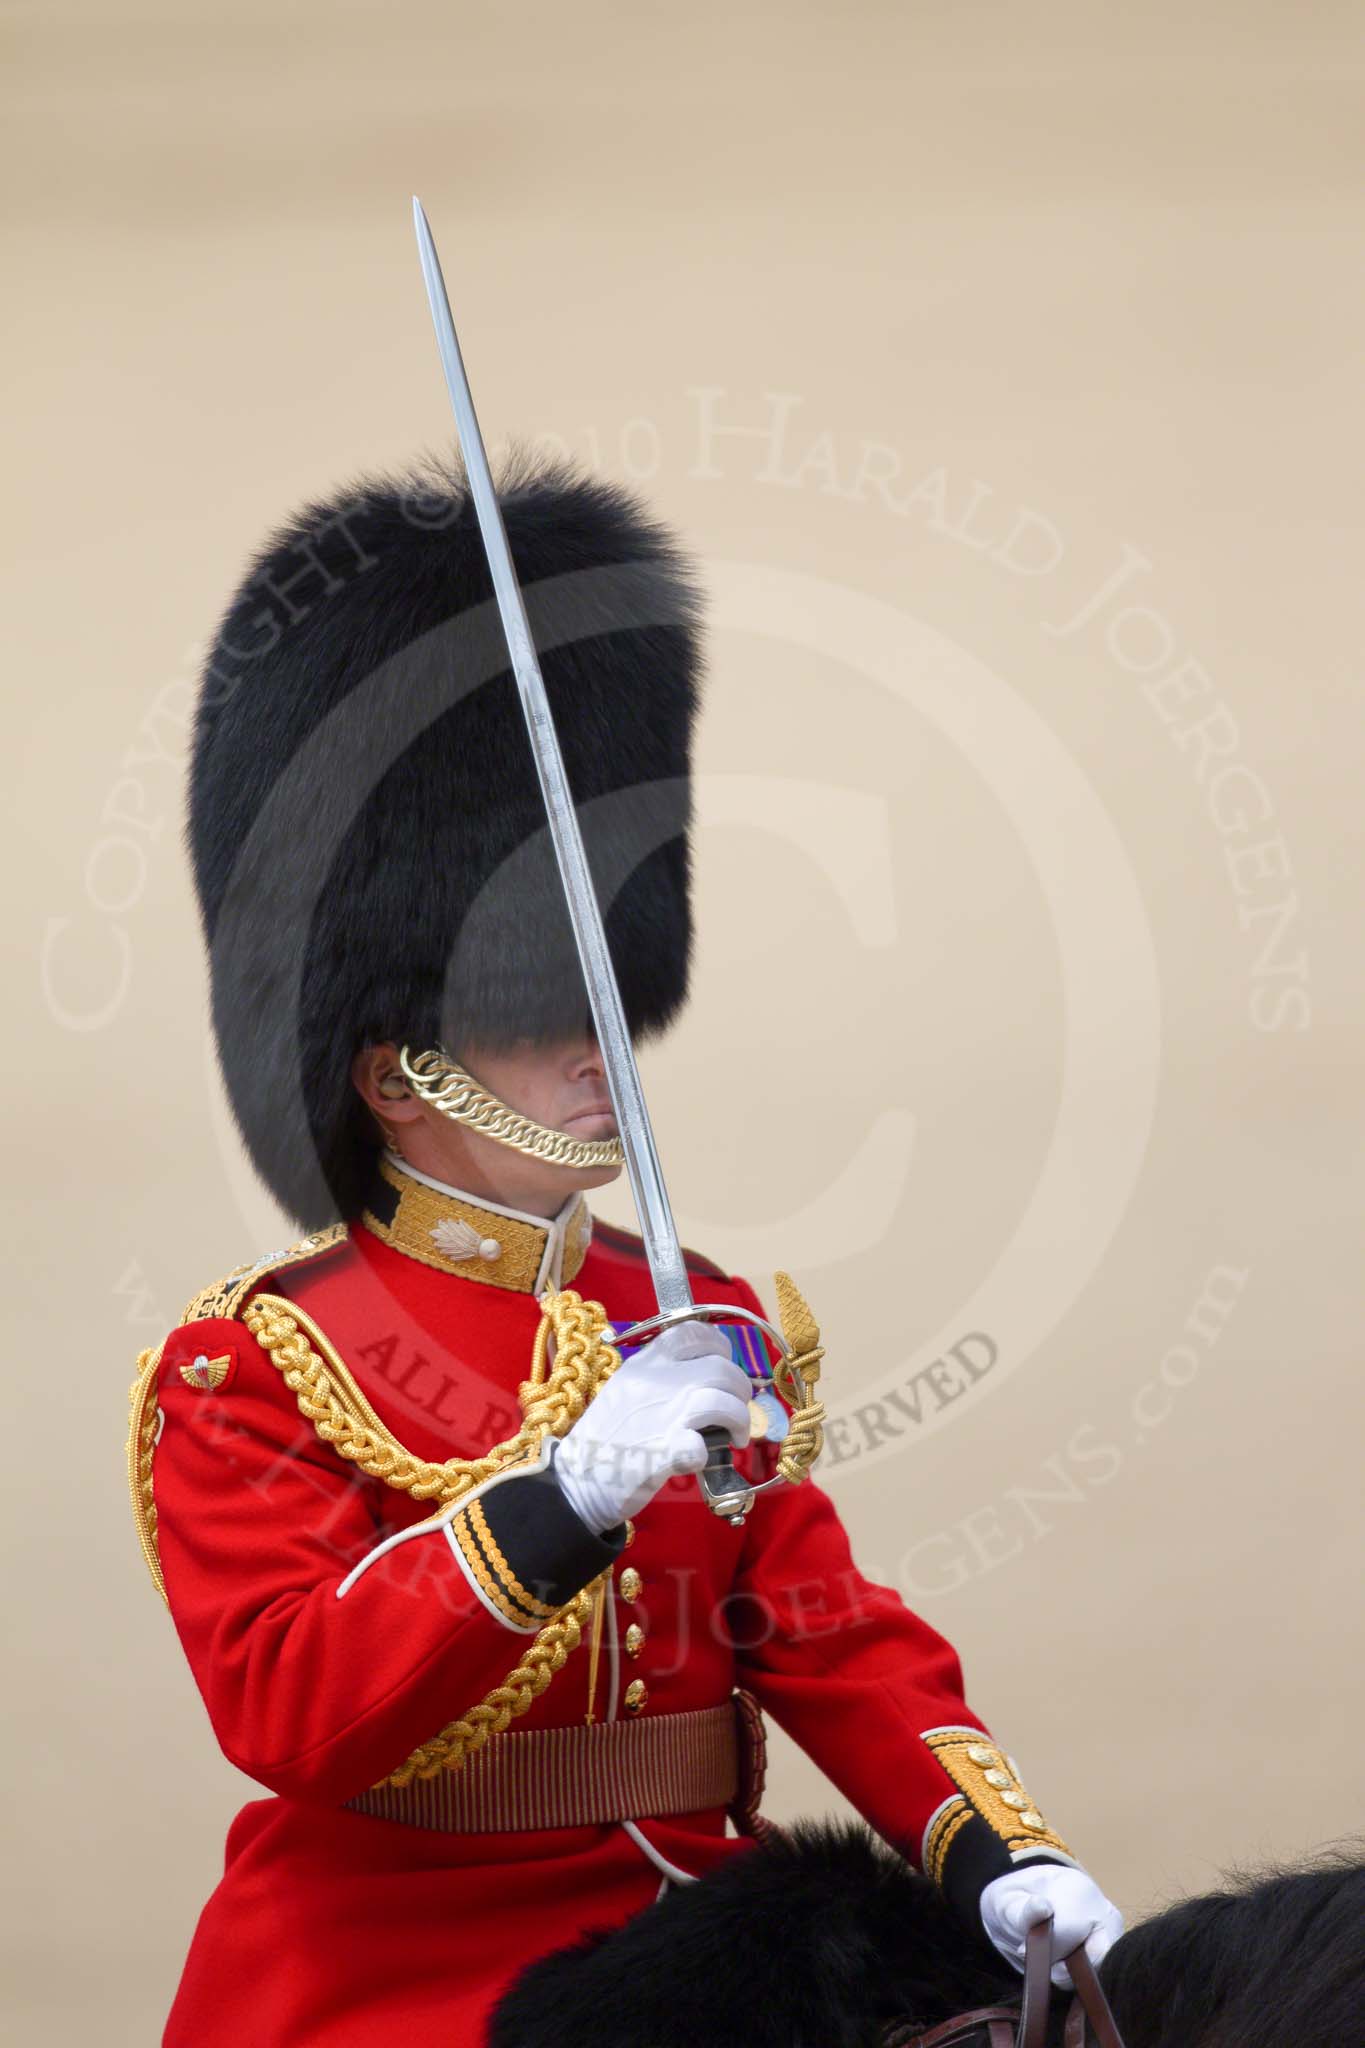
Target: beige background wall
point(1015, 1018)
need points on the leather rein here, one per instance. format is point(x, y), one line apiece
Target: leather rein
point(1089, 2023)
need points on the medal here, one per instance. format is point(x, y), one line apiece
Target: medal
point(767, 1417)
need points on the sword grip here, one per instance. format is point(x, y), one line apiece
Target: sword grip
point(723, 1489)
point(726, 1492)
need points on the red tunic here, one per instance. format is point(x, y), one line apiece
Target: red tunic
point(335, 1929)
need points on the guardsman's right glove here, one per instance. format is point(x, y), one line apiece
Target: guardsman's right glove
point(644, 1425)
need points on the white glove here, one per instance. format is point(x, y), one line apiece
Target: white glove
point(644, 1423)
point(1011, 1904)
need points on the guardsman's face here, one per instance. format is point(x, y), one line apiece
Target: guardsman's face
point(563, 1086)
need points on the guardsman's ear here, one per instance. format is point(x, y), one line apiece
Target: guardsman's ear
point(379, 1082)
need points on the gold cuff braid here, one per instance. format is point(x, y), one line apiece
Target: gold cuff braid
point(989, 1787)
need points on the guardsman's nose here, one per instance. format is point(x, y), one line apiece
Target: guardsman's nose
point(586, 1060)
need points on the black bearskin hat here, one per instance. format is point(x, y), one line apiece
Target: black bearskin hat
point(369, 841)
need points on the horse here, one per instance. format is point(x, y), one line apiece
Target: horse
point(823, 1936)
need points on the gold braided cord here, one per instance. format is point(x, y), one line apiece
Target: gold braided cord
point(220, 1301)
point(795, 1378)
point(522, 1686)
point(329, 1398)
point(143, 1421)
point(576, 1327)
point(450, 1088)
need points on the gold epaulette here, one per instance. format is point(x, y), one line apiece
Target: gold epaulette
point(225, 1298)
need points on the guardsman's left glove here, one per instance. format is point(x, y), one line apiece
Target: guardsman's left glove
point(1011, 1904)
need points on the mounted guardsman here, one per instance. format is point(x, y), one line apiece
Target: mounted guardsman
point(485, 1583)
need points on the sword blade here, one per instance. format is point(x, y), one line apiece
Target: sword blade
point(657, 1228)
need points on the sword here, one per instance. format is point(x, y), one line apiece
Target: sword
point(723, 1489)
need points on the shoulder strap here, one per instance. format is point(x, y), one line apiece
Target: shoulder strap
point(226, 1297)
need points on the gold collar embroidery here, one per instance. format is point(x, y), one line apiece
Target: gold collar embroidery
point(477, 1240)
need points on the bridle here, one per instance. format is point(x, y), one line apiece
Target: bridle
point(1089, 2023)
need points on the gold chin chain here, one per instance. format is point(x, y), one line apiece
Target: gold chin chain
point(452, 1090)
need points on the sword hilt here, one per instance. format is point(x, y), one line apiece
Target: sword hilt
point(725, 1491)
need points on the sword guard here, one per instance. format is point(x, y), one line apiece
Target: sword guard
point(723, 1488)
point(726, 1492)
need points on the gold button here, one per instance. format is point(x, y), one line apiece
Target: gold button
point(1032, 1820)
point(1017, 1800)
point(1000, 1779)
point(630, 1534)
point(630, 1583)
point(635, 1639)
point(637, 1692)
point(979, 1755)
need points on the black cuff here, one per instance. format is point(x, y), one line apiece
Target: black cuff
point(987, 1826)
point(976, 1857)
point(527, 1549)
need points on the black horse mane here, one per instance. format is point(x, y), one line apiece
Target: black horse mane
point(815, 1940)
point(1276, 1960)
point(819, 1938)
